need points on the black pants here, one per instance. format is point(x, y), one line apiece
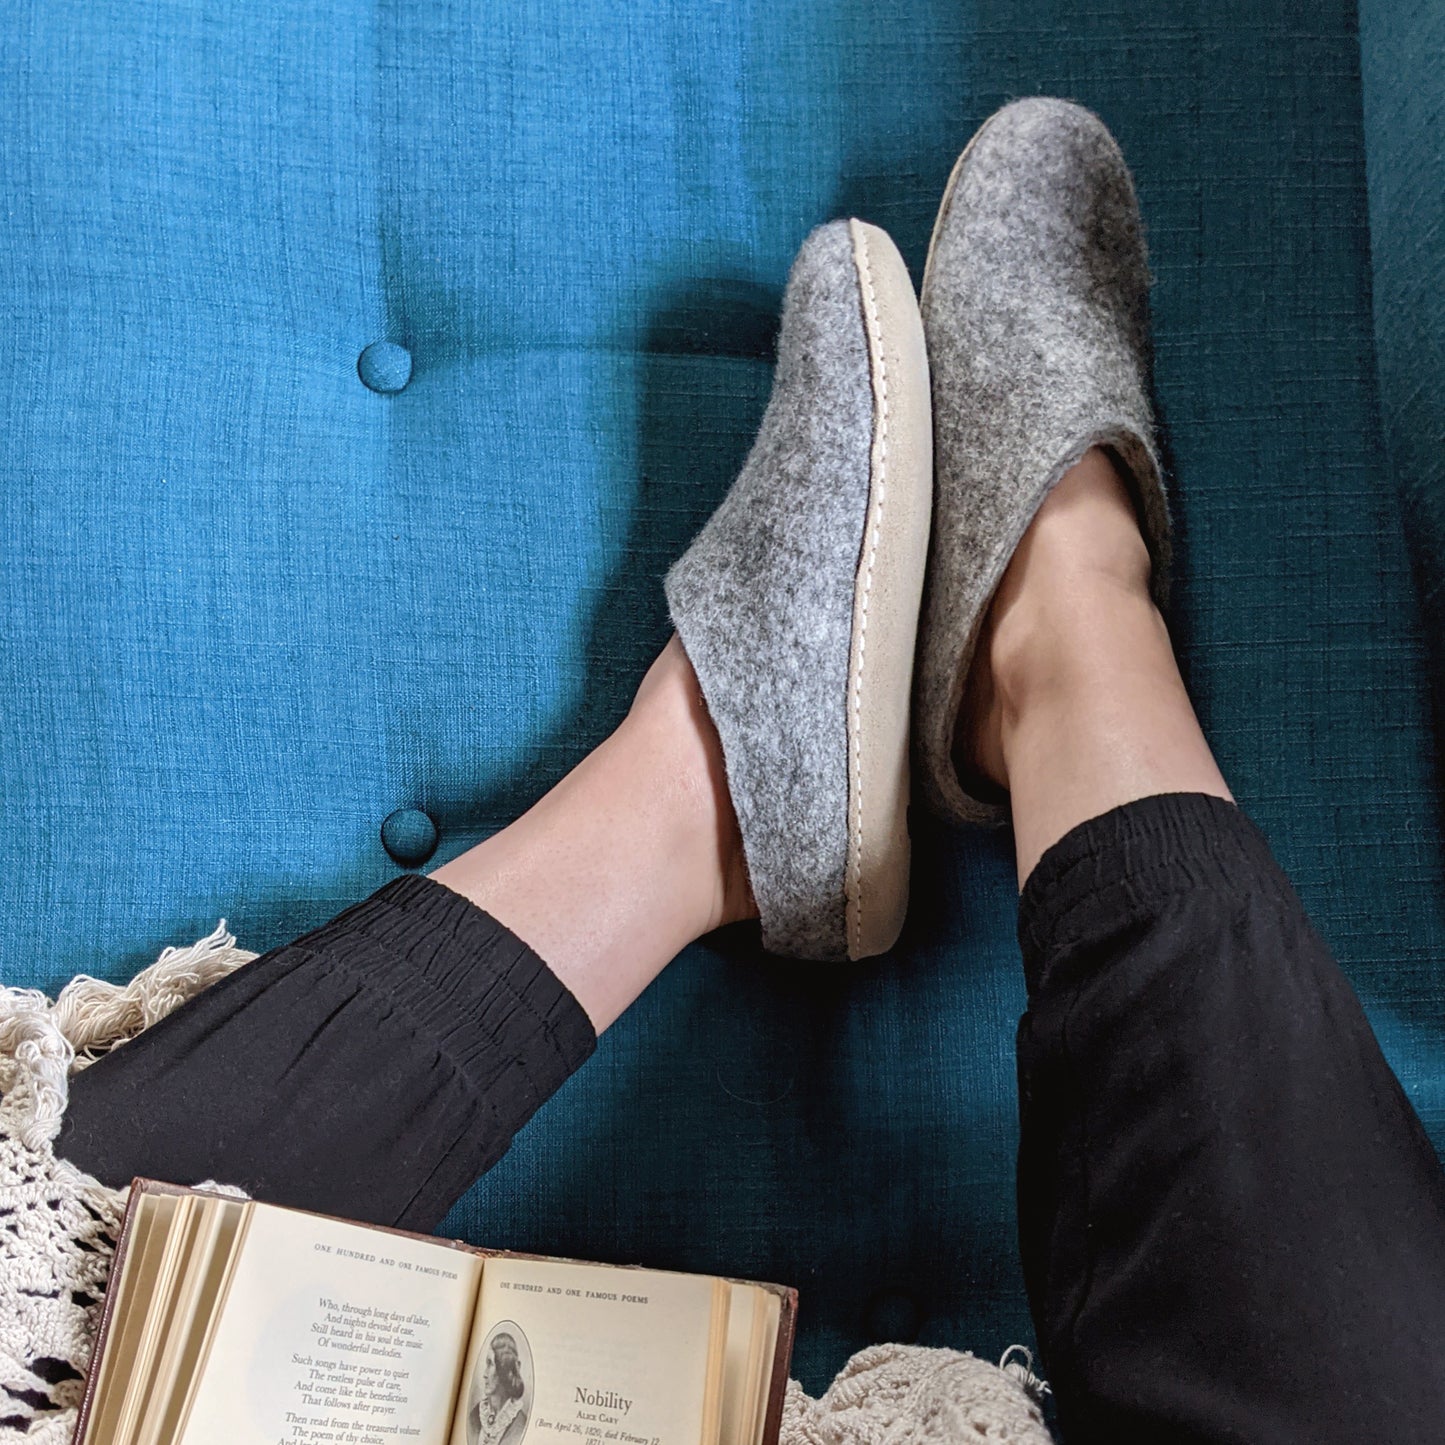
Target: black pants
point(1233, 1224)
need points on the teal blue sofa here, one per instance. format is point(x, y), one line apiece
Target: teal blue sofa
point(260, 597)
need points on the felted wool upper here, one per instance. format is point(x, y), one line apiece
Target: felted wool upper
point(763, 602)
point(1035, 309)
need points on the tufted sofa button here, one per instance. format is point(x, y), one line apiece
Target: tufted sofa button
point(893, 1317)
point(409, 836)
point(384, 366)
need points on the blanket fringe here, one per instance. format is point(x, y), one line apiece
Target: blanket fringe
point(42, 1043)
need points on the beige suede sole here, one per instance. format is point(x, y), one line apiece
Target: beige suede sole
point(887, 594)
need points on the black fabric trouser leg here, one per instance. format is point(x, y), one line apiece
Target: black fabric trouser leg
point(1232, 1221)
point(372, 1068)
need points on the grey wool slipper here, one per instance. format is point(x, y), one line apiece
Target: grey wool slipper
point(1035, 308)
point(798, 603)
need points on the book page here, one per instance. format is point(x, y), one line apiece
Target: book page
point(196, 1317)
point(333, 1332)
point(136, 1289)
point(592, 1355)
point(159, 1307)
point(751, 1344)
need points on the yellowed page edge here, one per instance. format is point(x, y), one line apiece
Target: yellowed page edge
point(717, 1350)
point(766, 1319)
point(157, 1312)
point(203, 1354)
point(229, 1216)
point(191, 1270)
point(142, 1259)
point(736, 1423)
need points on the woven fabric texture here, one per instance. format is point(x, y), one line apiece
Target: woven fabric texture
point(258, 597)
point(1404, 116)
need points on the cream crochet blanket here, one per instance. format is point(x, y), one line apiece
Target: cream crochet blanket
point(58, 1228)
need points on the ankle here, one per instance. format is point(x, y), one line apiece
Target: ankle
point(628, 859)
point(669, 729)
point(1072, 602)
point(1069, 638)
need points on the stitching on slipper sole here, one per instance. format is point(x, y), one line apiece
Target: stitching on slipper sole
point(870, 552)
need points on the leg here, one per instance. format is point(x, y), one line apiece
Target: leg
point(1233, 1224)
point(378, 1065)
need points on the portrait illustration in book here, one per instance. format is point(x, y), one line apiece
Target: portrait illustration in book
point(501, 1389)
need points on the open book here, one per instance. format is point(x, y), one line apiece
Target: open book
point(244, 1323)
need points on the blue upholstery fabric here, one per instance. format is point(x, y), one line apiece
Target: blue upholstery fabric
point(1404, 110)
point(252, 607)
